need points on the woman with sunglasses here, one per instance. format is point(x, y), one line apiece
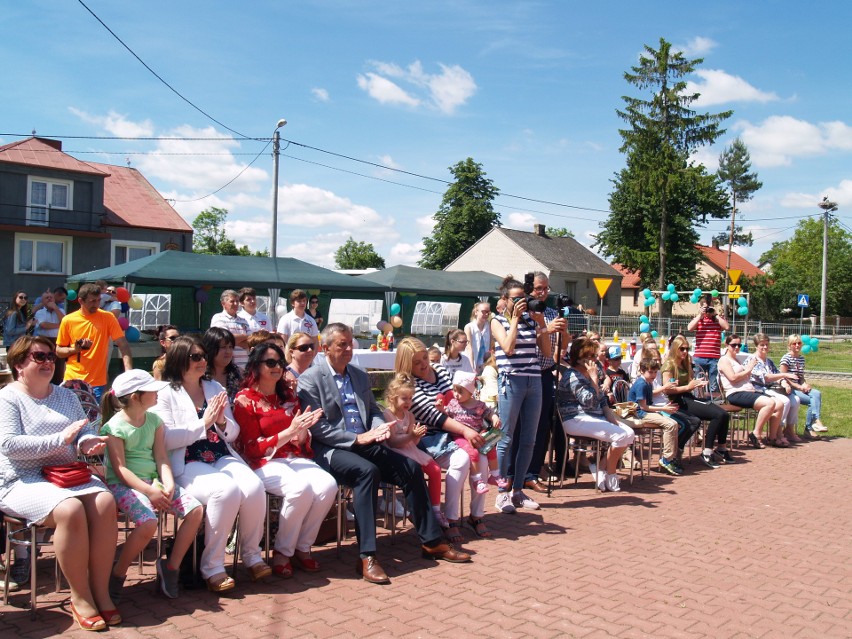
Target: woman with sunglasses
point(276, 444)
point(199, 430)
point(166, 335)
point(18, 320)
point(739, 391)
point(454, 358)
point(301, 351)
point(40, 425)
point(677, 369)
point(767, 378)
point(313, 311)
point(794, 362)
point(219, 344)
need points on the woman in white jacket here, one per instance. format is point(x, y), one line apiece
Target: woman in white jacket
point(199, 429)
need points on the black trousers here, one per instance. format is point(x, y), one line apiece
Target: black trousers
point(363, 468)
point(717, 418)
point(548, 428)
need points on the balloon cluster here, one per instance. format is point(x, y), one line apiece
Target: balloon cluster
point(644, 324)
point(809, 344)
point(396, 318)
point(670, 294)
point(649, 298)
point(742, 306)
point(696, 295)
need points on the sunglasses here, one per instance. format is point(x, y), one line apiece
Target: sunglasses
point(460, 341)
point(304, 348)
point(273, 363)
point(683, 349)
point(735, 344)
point(198, 357)
point(22, 297)
point(41, 357)
point(172, 338)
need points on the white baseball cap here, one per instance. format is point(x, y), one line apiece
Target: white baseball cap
point(135, 380)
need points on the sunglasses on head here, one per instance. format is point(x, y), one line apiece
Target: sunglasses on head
point(172, 338)
point(198, 357)
point(272, 363)
point(40, 357)
point(304, 348)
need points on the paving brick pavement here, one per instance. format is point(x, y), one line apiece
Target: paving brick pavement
point(758, 549)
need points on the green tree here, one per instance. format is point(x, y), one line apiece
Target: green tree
point(796, 267)
point(357, 256)
point(553, 231)
point(661, 196)
point(209, 235)
point(466, 214)
point(741, 183)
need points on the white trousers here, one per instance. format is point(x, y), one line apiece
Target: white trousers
point(594, 427)
point(457, 465)
point(227, 487)
point(790, 415)
point(307, 493)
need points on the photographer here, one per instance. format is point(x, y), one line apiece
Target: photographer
point(708, 329)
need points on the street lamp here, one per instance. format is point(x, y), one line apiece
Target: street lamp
point(276, 146)
point(828, 207)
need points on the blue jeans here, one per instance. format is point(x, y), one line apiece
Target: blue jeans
point(813, 401)
point(519, 405)
point(711, 368)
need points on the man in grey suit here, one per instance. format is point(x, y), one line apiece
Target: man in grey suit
point(347, 442)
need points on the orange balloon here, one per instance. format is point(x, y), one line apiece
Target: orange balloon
point(396, 320)
point(122, 294)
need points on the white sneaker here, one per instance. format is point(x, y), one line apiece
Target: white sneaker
point(600, 480)
point(612, 483)
point(819, 427)
point(504, 503)
point(398, 508)
point(520, 500)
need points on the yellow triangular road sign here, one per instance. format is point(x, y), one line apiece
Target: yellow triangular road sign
point(734, 274)
point(602, 284)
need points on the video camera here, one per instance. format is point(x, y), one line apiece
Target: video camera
point(533, 305)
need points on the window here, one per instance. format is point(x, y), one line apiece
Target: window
point(571, 290)
point(361, 315)
point(126, 251)
point(435, 318)
point(156, 310)
point(636, 297)
point(45, 195)
point(47, 254)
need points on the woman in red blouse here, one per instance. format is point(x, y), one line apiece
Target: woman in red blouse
point(276, 443)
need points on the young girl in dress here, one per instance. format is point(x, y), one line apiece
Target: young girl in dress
point(406, 434)
point(463, 407)
point(139, 475)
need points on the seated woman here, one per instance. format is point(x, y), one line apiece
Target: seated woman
point(166, 335)
point(199, 427)
point(301, 351)
point(42, 425)
point(766, 377)
point(276, 443)
point(677, 369)
point(584, 410)
point(739, 391)
point(219, 345)
point(793, 362)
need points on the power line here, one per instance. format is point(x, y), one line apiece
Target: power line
point(229, 182)
point(156, 75)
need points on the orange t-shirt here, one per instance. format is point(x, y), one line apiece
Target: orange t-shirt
point(100, 327)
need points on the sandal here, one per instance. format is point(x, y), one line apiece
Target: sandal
point(754, 441)
point(283, 569)
point(453, 537)
point(479, 527)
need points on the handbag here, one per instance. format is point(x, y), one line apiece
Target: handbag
point(626, 409)
point(68, 475)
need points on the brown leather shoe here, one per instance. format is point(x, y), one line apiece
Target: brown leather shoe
point(371, 571)
point(535, 486)
point(445, 552)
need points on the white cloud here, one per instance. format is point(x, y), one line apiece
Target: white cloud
point(521, 221)
point(404, 253)
point(425, 225)
point(718, 87)
point(320, 94)
point(117, 124)
point(706, 156)
point(698, 46)
point(780, 138)
point(842, 194)
point(444, 91)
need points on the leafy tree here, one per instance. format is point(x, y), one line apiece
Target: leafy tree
point(796, 266)
point(661, 196)
point(553, 231)
point(357, 256)
point(210, 238)
point(466, 214)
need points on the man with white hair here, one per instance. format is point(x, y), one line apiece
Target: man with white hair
point(239, 328)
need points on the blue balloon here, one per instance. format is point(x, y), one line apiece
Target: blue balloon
point(644, 327)
point(742, 301)
point(671, 288)
point(72, 295)
point(806, 348)
point(132, 334)
point(814, 347)
point(696, 293)
point(643, 318)
point(394, 309)
point(655, 334)
point(646, 292)
point(650, 301)
point(674, 297)
point(814, 343)
point(125, 307)
point(742, 310)
point(665, 296)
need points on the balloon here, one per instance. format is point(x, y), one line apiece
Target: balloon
point(647, 293)
point(125, 307)
point(671, 288)
point(72, 295)
point(124, 323)
point(674, 297)
point(395, 309)
point(814, 347)
point(201, 296)
point(135, 303)
point(396, 320)
point(742, 310)
point(281, 309)
point(207, 287)
point(643, 319)
point(696, 293)
point(650, 301)
point(714, 293)
point(806, 348)
point(132, 334)
point(122, 294)
point(814, 343)
point(644, 327)
point(655, 334)
point(666, 296)
point(742, 301)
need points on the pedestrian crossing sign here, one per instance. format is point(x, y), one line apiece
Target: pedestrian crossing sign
point(804, 301)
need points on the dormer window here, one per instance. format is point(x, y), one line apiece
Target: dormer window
point(45, 195)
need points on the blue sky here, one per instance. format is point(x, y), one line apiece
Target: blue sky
point(527, 89)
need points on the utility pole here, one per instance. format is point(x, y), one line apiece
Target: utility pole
point(828, 207)
point(276, 146)
point(730, 248)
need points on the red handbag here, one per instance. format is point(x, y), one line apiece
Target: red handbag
point(68, 475)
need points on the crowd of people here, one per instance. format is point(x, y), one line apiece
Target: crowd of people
point(243, 411)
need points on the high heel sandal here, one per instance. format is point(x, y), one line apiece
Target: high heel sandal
point(308, 564)
point(95, 623)
point(112, 617)
point(754, 441)
point(283, 570)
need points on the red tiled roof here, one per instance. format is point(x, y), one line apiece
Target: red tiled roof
point(45, 154)
point(130, 200)
point(631, 280)
point(718, 258)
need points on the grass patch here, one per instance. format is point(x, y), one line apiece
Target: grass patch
point(836, 408)
point(831, 356)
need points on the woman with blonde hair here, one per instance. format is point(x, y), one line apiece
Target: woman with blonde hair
point(794, 362)
point(766, 377)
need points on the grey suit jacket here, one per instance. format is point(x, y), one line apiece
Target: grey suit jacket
point(318, 389)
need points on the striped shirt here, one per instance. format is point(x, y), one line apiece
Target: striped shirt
point(795, 364)
point(708, 338)
point(524, 361)
point(425, 394)
point(546, 363)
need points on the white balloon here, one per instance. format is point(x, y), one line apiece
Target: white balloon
point(281, 309)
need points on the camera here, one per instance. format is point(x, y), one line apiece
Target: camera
point(533, 305)
point(563, 304)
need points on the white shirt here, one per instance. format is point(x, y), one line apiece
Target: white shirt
point(44, 315)
point(257, 322)
point(238, 326)
point(292, 323)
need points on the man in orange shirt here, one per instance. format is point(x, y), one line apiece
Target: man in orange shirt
point(84, 338)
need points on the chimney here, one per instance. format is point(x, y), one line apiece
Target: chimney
point(538, 229)
point(716, 244)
